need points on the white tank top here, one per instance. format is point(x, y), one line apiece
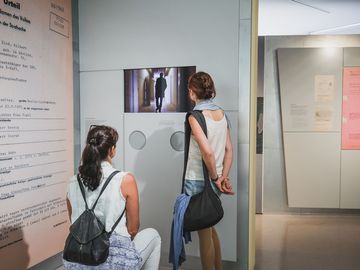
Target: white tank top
point(110, 205)
point(217, 132)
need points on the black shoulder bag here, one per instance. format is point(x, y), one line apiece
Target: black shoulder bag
point(88, 242)
point(204, 209)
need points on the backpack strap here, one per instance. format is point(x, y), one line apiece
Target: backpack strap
point(82, 190)
point(101, 192)
point(104, 187)
point(197, 114)
point(117, 222)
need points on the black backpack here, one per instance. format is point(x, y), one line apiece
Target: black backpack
point(88, 242)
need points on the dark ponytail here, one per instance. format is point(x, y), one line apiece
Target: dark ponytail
point(99, 141)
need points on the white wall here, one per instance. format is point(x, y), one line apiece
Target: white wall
point(134, 34)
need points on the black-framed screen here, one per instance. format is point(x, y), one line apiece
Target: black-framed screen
point(159, 89)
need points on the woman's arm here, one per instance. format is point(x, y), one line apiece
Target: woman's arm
point(204, 146)
point(228, 157)
point(69, 208)
point(129, 190)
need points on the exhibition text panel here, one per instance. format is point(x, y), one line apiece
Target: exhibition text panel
point(36, 129)
point(351, 109)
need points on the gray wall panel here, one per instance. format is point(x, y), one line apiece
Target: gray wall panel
point(157, 167)
point(313, 169)
point(350, 179)
point(115, 35)
point(274, 178)
point(351, 57)
point(275, 191)
point(103, 104)
point(244, 71)
point(140, 34)
point(302, 100)
point(298, 70)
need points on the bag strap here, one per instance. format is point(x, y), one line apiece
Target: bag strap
point(116, 222)
point(101, 192)
point(104, 187)
point(82, 190)
point(202, 122)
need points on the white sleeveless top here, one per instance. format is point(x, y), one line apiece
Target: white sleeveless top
point(217, 132)
point(110, 205)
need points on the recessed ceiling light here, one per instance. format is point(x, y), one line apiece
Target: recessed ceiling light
point(334, 28)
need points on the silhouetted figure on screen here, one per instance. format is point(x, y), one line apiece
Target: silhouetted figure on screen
point(160, 87)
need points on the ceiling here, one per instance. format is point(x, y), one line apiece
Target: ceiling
point(309, 17)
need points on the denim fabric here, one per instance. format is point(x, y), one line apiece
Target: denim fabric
point(177, 250)
point(192, 187)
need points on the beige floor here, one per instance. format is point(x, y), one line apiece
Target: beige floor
point(303, 242)
point(307, 242)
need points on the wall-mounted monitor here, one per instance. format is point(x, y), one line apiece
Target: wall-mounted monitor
point(157, 90)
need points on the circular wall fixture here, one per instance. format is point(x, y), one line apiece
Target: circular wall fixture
point(137, 140)
point(177, 141)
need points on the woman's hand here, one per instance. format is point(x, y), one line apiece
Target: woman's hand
point(227, 187)
point(224, 185)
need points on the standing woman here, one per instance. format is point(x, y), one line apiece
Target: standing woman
point(216, 151)
point(129, 248)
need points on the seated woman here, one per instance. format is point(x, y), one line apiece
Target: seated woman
point(129, 248)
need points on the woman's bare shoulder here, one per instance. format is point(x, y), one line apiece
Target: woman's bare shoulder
point(129, 179)
point(215, 115)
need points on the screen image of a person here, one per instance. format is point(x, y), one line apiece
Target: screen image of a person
point(160, 87)
point(129, 247)
point(216, 151)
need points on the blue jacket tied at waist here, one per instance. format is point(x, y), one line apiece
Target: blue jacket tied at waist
point(177, 249)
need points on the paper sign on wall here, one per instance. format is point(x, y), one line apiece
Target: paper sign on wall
point(324, 88)
point(350, 137)
point(324, 92)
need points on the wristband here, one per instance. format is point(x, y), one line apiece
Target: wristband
point(214, 180)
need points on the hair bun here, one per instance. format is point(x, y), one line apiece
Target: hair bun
point(202, 85)
point(206, 83)
point(208, 93)
point(93, 141)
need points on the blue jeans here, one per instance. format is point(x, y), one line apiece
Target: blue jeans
point(192, 187)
